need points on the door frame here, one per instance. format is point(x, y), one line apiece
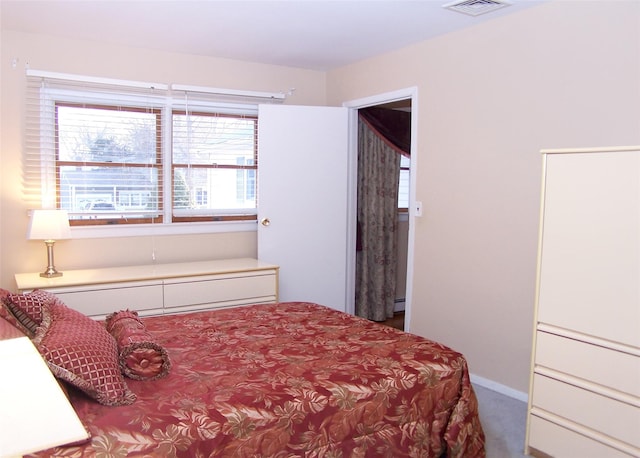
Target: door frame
point(354, 106)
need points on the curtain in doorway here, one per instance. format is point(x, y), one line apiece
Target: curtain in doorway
point(378, 176)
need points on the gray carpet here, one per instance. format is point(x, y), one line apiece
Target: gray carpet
point(504, 422)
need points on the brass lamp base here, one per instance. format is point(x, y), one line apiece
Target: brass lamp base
point(51, 271)
point(48, 274)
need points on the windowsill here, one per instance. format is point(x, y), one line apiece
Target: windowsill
point(140, 230)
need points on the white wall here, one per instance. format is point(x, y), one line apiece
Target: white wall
point(563, 74)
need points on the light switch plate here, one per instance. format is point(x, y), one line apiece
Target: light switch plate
point(417, 208)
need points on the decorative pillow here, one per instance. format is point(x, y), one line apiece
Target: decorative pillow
point(141, 357)
point(80, 351)
point(27, 308)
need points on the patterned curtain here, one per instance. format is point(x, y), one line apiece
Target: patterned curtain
point(378, 176)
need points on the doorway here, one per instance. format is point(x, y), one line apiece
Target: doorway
point(404, 100)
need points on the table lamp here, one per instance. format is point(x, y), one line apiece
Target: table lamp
point(49, 225)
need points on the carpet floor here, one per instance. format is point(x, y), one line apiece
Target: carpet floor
point(504, 422)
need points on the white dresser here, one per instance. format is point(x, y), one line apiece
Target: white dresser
point(584, 398)
point(161, 288)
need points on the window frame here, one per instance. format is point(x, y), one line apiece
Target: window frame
point(157, 164)
point(162, 99)
point(407, 169)
point(182, 216)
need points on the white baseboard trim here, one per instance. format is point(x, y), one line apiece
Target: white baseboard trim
point(500, 388)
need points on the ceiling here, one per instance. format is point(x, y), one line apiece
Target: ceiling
point(312, 34)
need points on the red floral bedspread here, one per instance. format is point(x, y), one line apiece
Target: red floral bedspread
point(285, 380)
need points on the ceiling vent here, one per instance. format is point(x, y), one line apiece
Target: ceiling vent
point(476, 7)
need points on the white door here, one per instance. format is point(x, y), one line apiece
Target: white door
point(303, 200)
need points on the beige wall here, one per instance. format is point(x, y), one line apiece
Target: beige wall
point(58, 55)
point(564, 74)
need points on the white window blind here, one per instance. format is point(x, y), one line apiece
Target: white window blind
point(119, 152)
point(403, 185)
point(214, 160)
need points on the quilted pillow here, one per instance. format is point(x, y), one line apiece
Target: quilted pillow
point(80, 351)
point(27, 308)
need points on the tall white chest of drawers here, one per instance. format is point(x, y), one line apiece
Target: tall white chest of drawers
point(158, 289)
point(584, 398)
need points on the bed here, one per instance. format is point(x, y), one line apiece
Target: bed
point(286, 380)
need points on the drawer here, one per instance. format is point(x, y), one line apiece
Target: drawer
point(104, 299)
point(239, 290)
point(219, 305)
point(559, 442)
point(614, 418)
point(614, 369)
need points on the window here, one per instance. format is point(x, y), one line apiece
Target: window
point(403, 185)
point(108, 163)
point(122, 153)
point(201, 197)
point(212, 155)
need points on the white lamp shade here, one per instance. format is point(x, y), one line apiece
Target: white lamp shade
point(49, 225)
